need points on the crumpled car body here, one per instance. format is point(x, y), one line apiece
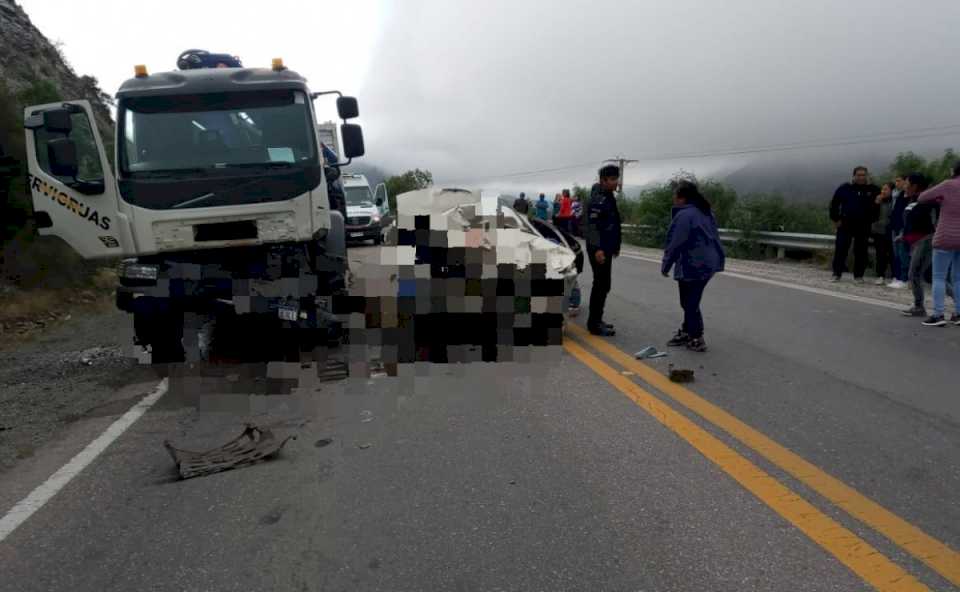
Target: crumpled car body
point(475, 276)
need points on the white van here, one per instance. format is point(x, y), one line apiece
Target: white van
point(368, 212)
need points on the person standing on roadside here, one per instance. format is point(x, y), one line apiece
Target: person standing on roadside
point(851, 210)
point(880, 231)
point(576, 216)
point(918, 229)
point(695, 253)
point(946, 246)
point(601, 229)
point(900, 264)
point(566, 211)
point(542, 208)
point(521, 205)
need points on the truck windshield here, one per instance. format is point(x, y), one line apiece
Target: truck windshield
point(210, 131)
point(358, 196)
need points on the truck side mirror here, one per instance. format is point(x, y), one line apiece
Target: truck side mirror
point(57, 121)
point(352, 140)
point(62, 154)
point(347, 107)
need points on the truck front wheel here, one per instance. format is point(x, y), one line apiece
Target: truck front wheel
point(163, 333)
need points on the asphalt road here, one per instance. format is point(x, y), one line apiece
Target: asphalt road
point(574, 472)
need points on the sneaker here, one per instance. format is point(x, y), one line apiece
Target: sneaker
point(835, 278)
point(914, 311)
point(880, 281)
point(858, 280)
point(955, 319)
point(897, 285)
point(602, 331)
point(681, 338)
point(935, 321)
point(697, 344)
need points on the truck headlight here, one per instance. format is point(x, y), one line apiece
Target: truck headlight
point(138, 271)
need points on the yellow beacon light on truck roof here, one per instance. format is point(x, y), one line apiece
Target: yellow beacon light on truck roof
point(140, 71)
point(278, 64)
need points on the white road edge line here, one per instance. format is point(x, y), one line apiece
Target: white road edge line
point(26, 507)
point(801, 288)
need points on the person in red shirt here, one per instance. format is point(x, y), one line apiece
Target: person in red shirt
point(565, 215)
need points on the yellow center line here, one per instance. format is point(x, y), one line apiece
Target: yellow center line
point(935, 554)
point(865, 561)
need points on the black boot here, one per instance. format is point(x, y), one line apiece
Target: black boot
point(602, 330)
point(681, 338)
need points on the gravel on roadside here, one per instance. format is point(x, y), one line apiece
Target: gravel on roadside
point(56, 376)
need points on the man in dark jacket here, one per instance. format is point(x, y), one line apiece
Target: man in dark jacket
point(852, 211)
point(521, 205)
point(602, 233)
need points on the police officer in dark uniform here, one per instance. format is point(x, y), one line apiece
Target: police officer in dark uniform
point(602, 232)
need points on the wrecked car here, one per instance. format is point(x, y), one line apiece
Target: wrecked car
point(472, 280)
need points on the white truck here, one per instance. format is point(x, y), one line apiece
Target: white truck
point(215, 198)
point(368, 212)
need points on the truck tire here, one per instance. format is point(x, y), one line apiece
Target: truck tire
point(163, 333)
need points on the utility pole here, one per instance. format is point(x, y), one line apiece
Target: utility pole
point(621, 162)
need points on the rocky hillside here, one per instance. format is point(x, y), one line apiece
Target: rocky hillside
point(26, 57)
point(32, 70)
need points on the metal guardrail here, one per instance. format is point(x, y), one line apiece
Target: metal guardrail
point(795, 241)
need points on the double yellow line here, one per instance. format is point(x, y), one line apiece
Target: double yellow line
point(854, 552)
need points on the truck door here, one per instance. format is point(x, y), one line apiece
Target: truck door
point(70, 180)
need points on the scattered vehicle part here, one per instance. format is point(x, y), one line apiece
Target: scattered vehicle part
point(252, 446)
point(680, 374)
point(648, 353)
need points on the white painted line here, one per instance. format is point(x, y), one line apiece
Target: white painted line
point(45, 492)
point(791, 286)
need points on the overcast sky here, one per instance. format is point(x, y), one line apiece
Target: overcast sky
point(474, 91)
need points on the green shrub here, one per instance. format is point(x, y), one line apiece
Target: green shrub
point(753, 213)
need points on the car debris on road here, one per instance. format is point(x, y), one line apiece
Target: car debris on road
point(648, 353)
point(255, 444)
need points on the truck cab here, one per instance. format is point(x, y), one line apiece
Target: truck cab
point(368, 212)
point(215, 197)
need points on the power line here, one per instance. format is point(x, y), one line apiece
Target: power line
point(855, 140)
point(918, 133)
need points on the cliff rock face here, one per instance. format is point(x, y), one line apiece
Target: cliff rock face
point(26, 56)
point(32, 70)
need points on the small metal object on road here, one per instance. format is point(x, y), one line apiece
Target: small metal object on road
point(364, 445)
point(252, 446)
point(649, 353)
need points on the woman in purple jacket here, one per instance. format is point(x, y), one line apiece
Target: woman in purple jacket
point(694, 252)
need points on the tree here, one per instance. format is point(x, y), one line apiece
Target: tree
point(936, 170)
point(408, 181)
